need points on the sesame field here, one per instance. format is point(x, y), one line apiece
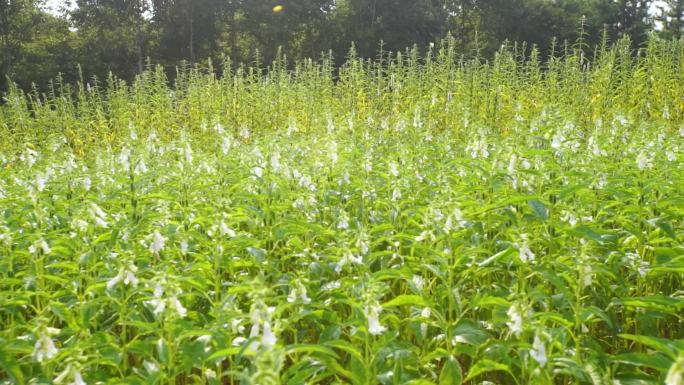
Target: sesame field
point(420, 218)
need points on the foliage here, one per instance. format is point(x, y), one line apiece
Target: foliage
point(123, 36)
point(427, 220)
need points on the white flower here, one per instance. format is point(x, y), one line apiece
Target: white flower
point(157, 244)
point(6, 240)
point(40, 181)
point(511, 164)
point(567, 216)
point(182, 312)
point(343, 221)
point(586, 274)
point(78, 380)
point(362, 244)
point(159, 306)
point(425, 313)
point(594, 147)
point(305, 182)
point(372, 313)
point(98, 215)
point(298, 291)
point(478, 148)
point(526, 255)
point(124, 158)
point(526, 164)
point(557, 141)
point(268, 340)
point(150, 366)
point(538, 351)
point(140, 168)
point(225, 146)
point(254, 330)
point(292, 297)
point(209, 374)
point(347, 258)
point(368, 165)
point(86, 183)
point(456, 216)
point(291, 128)
point(226, 231)
point(333, 152)
point(418, 281)
point(41, 245)
point(44, 349)
point(258, 171)
point(331, 286)
point(393, 169)
point(516, 321)
point(31, 156)
point(75, 374)
point(396, 194)
point(235, 326)
point(299, 204)
point(275, 161)
point(675, 376)
point(643, 268)
point(602, 181)
point(126, 275)
point(643, 161)
point(425, 235)
point(187, 153)
point(244, 132)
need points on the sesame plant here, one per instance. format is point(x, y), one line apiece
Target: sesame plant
point(418, 219)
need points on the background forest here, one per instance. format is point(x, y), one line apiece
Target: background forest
point(38, 40)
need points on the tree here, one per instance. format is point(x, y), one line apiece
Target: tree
point(35, 46)
point(302, 29)
point(397, 23)
point(672, 18)
point(113, 35)
point(186, 29)
point(633, 19)
point(15, 17)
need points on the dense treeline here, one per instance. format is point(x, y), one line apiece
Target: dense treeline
point(98, 37)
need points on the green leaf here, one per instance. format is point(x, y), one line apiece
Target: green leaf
point(599, 236)
point(223, 353)
point(500, 255)
point(488, 301)
point(470, 333)
point(163, 352)
point(406, 299)
point(310, 348)
point(451, 373)
point(11, 368)
point(661, 303)
point(656, 361)
point(540, 210)
point(346, 347)
point(484, 366)
point(105, 237)
point(666, 227)
point(659, 344)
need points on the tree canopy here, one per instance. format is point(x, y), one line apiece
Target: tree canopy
point(102, 37)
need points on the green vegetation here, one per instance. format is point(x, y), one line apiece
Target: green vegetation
point(406, 220)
